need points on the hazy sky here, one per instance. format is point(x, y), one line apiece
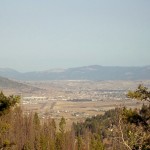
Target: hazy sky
point(44, 34)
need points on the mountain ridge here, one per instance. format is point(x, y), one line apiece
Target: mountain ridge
point(93, 72)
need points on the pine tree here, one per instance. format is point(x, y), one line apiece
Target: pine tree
point(6, 103)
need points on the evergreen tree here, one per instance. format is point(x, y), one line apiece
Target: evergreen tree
point(6, 103)
point(141, 93)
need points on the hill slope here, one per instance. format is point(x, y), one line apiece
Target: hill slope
point(14, 85)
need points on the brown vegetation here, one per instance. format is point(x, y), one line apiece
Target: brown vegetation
point(120, 128)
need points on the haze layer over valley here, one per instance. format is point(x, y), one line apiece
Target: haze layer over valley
point(73, 99)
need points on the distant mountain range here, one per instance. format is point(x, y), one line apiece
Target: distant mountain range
point(94, 72)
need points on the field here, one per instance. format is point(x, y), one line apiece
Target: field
point(77, 100)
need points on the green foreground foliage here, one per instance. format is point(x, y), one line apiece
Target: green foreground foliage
point(6, 103)
point(141, 93)
point(118, 129)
